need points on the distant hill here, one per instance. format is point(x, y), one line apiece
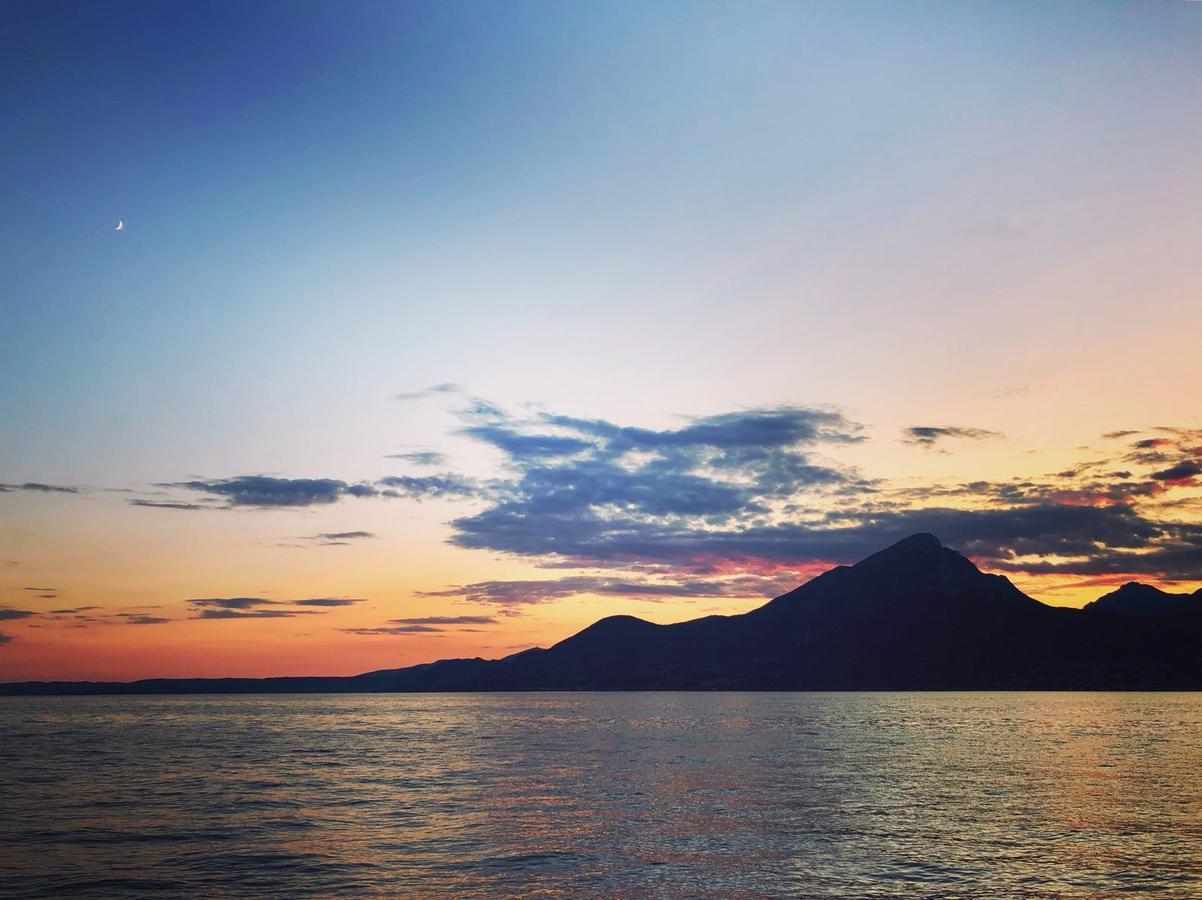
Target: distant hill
point(914, 616)
point(1145, 601)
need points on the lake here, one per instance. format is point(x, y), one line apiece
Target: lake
point(668, 794)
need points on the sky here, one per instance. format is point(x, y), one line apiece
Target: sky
point(444, 329)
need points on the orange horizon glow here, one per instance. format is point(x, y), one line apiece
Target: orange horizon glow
point(431, 334)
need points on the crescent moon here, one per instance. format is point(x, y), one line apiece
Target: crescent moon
point(120, 225)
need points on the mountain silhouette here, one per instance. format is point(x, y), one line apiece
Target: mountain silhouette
point(914, 616)
point(1145, 601)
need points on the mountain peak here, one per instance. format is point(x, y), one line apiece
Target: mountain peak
point(921, 549)
point(916, 579)
point(922, 540)
point(1137, 587)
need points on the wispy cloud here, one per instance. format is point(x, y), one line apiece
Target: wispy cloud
point(39, 488)
point(734, 505)
point(433, 390)
point(928, 436)
point(419, 487)
point(271, 492)
point(395, 629)
point(169, 504)
point(255, 613)
point(748, 494)
point(339, 538)
point(268, 491)
point(430, 625)
point(263, 608)
point(233, 602)
point(134, 619)
point(527, 592)
point(420, 457)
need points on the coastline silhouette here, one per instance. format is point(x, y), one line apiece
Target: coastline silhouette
point(914, 616)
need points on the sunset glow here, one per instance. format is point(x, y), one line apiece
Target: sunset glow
point(412, 354)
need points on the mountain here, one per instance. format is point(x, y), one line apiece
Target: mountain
point(915, 616)
point(1145, 601)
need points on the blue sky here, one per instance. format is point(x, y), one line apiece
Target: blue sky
point(977, 215)
point(369, 196)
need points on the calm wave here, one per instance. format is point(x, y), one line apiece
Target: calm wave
point(600, 794)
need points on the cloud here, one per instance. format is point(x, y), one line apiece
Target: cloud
point(738, 503)
point(419, 487)
point(615, 485)
point(709, 499)
point(7, 615)
point(1017, 390)
point(1182, 471)
point(1114, 435)
point(5, 639)
point(168, 504)
point(132, 619)
point(1067, 487)
point(420, 457)
point(76, 609)
point(42, 589)
point(434, 389)
point(715, 468)
point(262, 608)
point(928, 436)
point(265, 491)
point(233, 602)
point(521, 593)
point(269, 492)
point(38, 487)
point(433, 625)
point(752, 429)
point(1172, 561)
point(395, 629)
point(528, 445)
point(339, 538)
point(255, 613)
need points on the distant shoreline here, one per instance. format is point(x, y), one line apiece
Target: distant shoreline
point(916, 616)
point(127, 689)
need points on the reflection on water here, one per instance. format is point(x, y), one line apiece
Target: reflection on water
point(599, 794)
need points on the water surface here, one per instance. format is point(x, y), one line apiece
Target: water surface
point(857, 795)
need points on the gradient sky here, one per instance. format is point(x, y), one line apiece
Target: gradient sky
point(445, 329)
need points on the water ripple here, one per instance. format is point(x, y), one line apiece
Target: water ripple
point(702, 795)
